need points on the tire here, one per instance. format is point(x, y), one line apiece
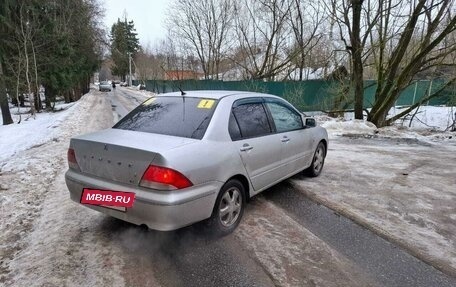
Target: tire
point(231, 199)
point(318, 161)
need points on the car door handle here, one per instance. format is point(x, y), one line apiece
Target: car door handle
point(246, 147)
point(285, 139)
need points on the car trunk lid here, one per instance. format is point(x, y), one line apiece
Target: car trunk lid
point(121, 155)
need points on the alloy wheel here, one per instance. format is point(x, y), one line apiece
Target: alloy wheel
point(230, 207)
point(318, 159)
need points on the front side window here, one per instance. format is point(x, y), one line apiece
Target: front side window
point(252, 119)
point(176, 116)
point(285, 118)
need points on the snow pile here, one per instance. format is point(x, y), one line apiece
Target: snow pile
point(429, 124)
point(428, 117)
point(340, 127)
point(141, 93)
point(40, 226)
point(30, 132)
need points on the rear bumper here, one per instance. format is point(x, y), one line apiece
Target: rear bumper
point(159, 210)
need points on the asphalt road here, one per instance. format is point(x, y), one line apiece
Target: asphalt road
point(189, 257)
point(387, 263)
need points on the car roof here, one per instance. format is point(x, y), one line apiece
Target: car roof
point(214, 94)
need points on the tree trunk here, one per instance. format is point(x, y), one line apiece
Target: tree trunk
point(87, 85)
point(379, 118)
point(6, 114)
point(38, 104)
point(356, 49)
point(67, 97)
point(25, 36)
point(49, 96)
point(357, 83)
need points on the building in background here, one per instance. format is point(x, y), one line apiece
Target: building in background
point(183, 75)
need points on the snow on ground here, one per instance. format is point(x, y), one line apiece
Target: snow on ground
point(428, 117)
point(30, 132)
point(400, 188)
point(54, 242)
point(404, 191)
point(339, 127)
point(139, 92)
point(430, 124)
point(437, 118)
point(44, 238)
point(400, 181)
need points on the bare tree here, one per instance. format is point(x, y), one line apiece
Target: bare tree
point(428, 28)
point(148, 65)
point(263, 37)
point(355, 22)
point(15, 66)
point(203, 26)
point(25, 40)
point(400, 39)
point(306, 21)
point(169, 55)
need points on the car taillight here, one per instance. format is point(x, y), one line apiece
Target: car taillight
point(72, 163)
point(158, 177)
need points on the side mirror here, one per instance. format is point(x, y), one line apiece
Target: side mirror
point(311, 122)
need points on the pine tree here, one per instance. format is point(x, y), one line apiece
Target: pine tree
point(63, 47)
point(124, 41)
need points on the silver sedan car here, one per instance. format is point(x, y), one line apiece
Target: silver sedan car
point(182, 158)
point(104, 86)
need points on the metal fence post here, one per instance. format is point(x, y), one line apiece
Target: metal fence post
point(414, 93)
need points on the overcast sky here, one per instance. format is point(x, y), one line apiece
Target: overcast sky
point(148, 16)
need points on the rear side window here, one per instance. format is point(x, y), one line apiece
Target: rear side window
point(233, 129)
point(252, 120)
point(175, 116)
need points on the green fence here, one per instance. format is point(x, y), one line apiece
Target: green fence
point(312, 95)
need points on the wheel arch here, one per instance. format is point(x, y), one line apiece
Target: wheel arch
point(245, 183)
point(325, 142)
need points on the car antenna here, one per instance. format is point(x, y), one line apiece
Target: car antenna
point(182, 92)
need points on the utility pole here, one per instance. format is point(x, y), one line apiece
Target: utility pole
point(129, 67)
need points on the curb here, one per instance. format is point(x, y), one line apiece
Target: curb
point(412, 250)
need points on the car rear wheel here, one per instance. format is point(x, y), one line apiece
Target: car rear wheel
point(228, 209)
point(318, 161)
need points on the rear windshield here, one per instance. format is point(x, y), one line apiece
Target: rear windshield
point(175, 116)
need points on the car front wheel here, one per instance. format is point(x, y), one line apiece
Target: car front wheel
point(318, 161)
point(228, 209)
